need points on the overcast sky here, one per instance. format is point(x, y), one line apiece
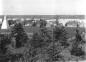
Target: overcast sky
point(42, 7)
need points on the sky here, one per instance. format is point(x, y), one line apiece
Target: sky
point(42, 7)
point(1, 7)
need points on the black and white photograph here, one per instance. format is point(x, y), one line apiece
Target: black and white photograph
point(42, 31)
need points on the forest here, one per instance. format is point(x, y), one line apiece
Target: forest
point(55, 44)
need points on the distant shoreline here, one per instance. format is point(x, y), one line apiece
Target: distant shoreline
point(46, 16)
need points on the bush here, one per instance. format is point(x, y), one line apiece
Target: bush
point(77, 52)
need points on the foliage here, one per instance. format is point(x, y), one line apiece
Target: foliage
point(34, 24)
point(36, 41)
point(54, 52)
point(41, 38)
point(39, 41)
point(42, 23)
point(20, 35)
point(60, 34)
point(44, 42)
point(73, 23)
point(11, 22)
point(4, 41)
point(76, 50)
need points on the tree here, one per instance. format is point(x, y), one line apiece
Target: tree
point(34, 24)
point(19, 34)
point(4, 41)
point(42, 23)
point(76, 50)
point(11, 22)
point(36, 41)
point(60, 34)
point(39, 41)
point(58, 42)
point(41, 38)
point(54, 52)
